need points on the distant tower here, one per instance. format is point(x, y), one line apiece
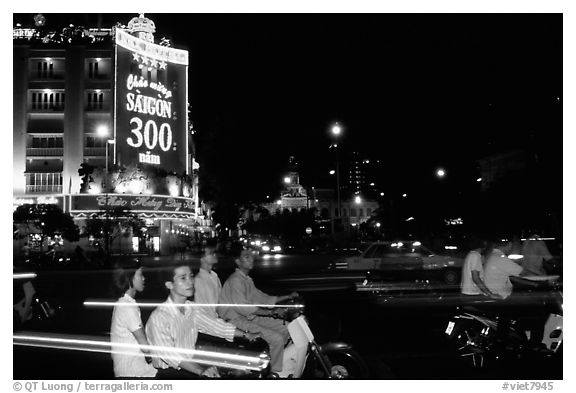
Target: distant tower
point(294, 196)
point(356, 180)
point(293, 172)
point(142, 28)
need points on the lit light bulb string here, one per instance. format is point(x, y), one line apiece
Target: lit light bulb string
point(228, 360)
point(94, 303)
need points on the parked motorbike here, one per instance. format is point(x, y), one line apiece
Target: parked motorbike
point(482, 337)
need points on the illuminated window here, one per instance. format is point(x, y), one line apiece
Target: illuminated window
point(45, 69)
point(46, 142)
point(44, 182)
point(93, 69)
point(97, 68)
point(94, 100)
point(47, 100)
point(92, 141)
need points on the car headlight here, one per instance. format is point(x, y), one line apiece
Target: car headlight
point(265, 248)
point(277, 248)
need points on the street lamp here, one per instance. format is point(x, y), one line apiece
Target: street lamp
point(440, 173)
point(102, 131)
point(336, 131)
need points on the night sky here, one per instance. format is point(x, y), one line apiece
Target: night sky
point(415, 91)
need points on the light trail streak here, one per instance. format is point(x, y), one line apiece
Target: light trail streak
point(145, 305)
point(220, 359)
point(21, 276)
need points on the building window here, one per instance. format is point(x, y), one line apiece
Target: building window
point(344, 212)
point(352, 212)
point(93, 69)
point(44, 182)
point(360, 212)
point(47, 100)
point(47, 142)
point(45, 69)
point(94, 100)
point(368, 211)
point(93, 141)
point(97, 68)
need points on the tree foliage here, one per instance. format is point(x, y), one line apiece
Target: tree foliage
point(47, 220)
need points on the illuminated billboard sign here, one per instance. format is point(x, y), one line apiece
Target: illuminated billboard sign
point(150, 104)
point(153, 205)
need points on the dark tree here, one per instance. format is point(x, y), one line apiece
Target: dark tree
point(85, 171)
point(46, 220)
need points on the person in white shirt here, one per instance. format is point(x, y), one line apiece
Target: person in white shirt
point(126, 331)
point(472, 281)
point(207, 285)
point(499, 269)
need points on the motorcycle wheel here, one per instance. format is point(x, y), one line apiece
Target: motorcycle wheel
point(470, 345)
point(345, 365)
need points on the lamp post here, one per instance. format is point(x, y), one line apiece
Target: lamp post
point(102, 131)
point(336, 130)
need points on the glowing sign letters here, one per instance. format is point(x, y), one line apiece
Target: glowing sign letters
point(151, 104)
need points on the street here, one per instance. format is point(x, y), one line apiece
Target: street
point(399, 337)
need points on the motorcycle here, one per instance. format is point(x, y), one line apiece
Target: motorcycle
point(483, 337)
point(303, 356)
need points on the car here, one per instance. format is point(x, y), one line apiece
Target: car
point(405, 258)
point(263, 245)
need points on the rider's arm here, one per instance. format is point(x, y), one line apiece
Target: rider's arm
point(286, 297)
point(480, 284)
point(140, 337)
point(192, 367)
point(214, 326)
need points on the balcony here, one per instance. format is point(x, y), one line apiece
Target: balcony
point(44, 151)
point(94, 151)
point(43, 189)
point(41, 108)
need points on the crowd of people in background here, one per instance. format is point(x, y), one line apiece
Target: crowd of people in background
point(487, 269)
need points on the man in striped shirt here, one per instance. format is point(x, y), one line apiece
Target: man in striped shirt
point(173, 329)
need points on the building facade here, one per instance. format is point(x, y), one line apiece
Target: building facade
point(113, 100)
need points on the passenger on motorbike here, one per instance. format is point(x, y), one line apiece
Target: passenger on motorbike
point(240, 289)
point(535, 253)
point(207, 286)
point(472, 282)
point(499, 269)
point(175, 325)
point(127, 336)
